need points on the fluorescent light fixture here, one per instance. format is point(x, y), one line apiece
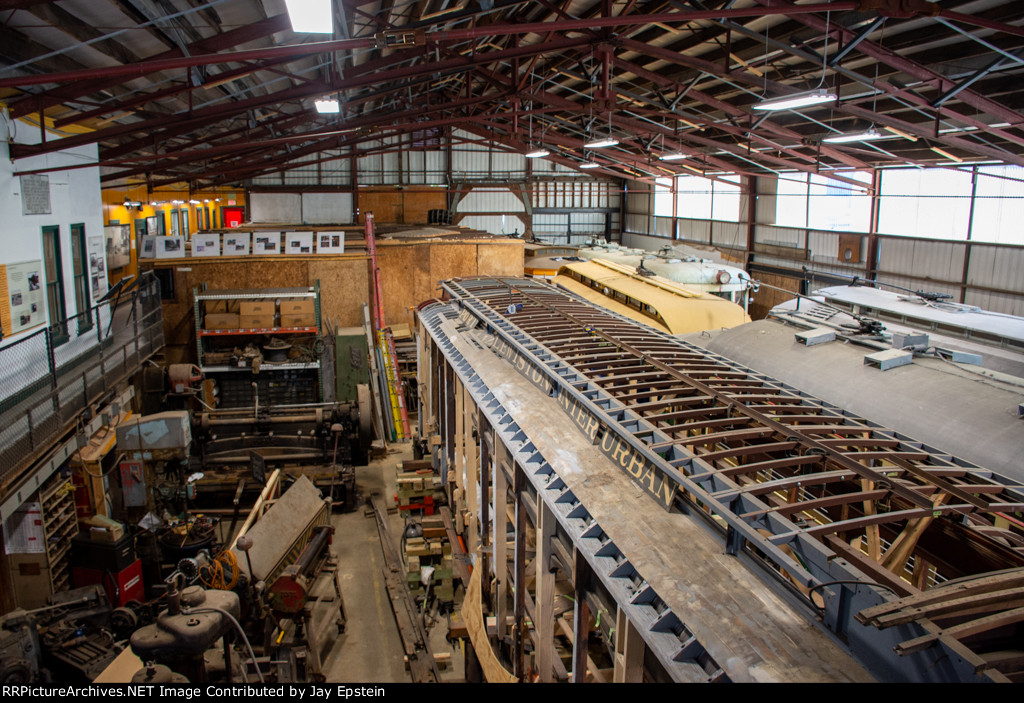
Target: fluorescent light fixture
point(672, 156)
point(590, 164)
point(898, 133)
point(311, 16)
point(601, 143)
point(949, 156)
point(791, 102)
point(538, 154)
point(327, 106)
point(865, 136)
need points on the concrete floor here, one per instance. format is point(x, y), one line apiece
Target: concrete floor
point(370, 650)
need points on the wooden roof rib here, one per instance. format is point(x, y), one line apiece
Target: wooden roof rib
point(150, 79)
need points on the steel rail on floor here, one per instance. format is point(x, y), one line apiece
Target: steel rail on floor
point(790, 480)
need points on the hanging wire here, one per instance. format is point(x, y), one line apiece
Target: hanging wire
point(824, 51)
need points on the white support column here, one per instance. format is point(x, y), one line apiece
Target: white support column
point(472, 469)
point(544, 599)
point(499, 539)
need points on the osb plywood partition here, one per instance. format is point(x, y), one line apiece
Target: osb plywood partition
point(410, 274)
point(409, 206)
point(767, 298)
point(344, 286)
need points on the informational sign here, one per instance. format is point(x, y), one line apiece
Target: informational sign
point(330, 242)
point(97, 267)
point(170, 247)
point(24, 303)
point(236, 244)
point(298, 242)
point(35, 195)
point(148, 250)
point(119, 252)
point(266, 243)
point(206, 245)
point(23, 531)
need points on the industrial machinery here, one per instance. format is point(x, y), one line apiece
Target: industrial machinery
point(325, 441)
point(294, 588)
point(191, 625)
point(76, 635)
point(261, 608)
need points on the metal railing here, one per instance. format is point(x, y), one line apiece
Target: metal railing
point(48, 378)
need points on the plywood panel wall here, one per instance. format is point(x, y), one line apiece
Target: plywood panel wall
point(410, 273)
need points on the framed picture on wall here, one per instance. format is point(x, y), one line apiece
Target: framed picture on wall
point(298, 242)
point(235, 244)
point(266, 242)
point(330, 242)
point(206, 245)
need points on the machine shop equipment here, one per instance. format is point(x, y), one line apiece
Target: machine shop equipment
point(295, 588)
point(192, 624)
point(76, 634)
point(156, 448)
point(325, 441)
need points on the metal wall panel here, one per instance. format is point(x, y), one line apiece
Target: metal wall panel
point(997, 267)
point(996, 302)
point(664, 226)
point(934, 259)
point(639, 224)
point(490, 199)
point(731, 235)
point(694, 230)
point(327, 208)
point(494, 224)
point(641, 241)
point(780, 236)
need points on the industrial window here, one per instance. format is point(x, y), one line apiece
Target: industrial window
point(80, 268)
point(54, 284)
point(998, 205)
point(708, 198)
point(931, 202)
point(817, 202)
point(837, 206)
point(663, 197)
point(791, 200)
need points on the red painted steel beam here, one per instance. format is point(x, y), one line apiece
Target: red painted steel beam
point(737, 112)
point(85, 85)
point(407, 123)
point(778, 88)
point(178, 124)
point(297, 50)
point(911, 68)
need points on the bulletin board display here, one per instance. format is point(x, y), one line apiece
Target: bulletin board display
point(330, 242)
point(24, 299)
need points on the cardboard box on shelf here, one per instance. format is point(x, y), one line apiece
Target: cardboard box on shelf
point(256, 321)
point(258, 307)
point(221, 321)
point(298, 320)
point(297, 307)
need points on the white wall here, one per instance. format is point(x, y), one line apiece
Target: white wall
point(74, 198)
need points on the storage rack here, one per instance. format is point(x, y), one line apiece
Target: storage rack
point(287, 371)
point(60, 525)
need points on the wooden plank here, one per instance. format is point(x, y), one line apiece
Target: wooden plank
point(472, 615)
point(963, 630)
